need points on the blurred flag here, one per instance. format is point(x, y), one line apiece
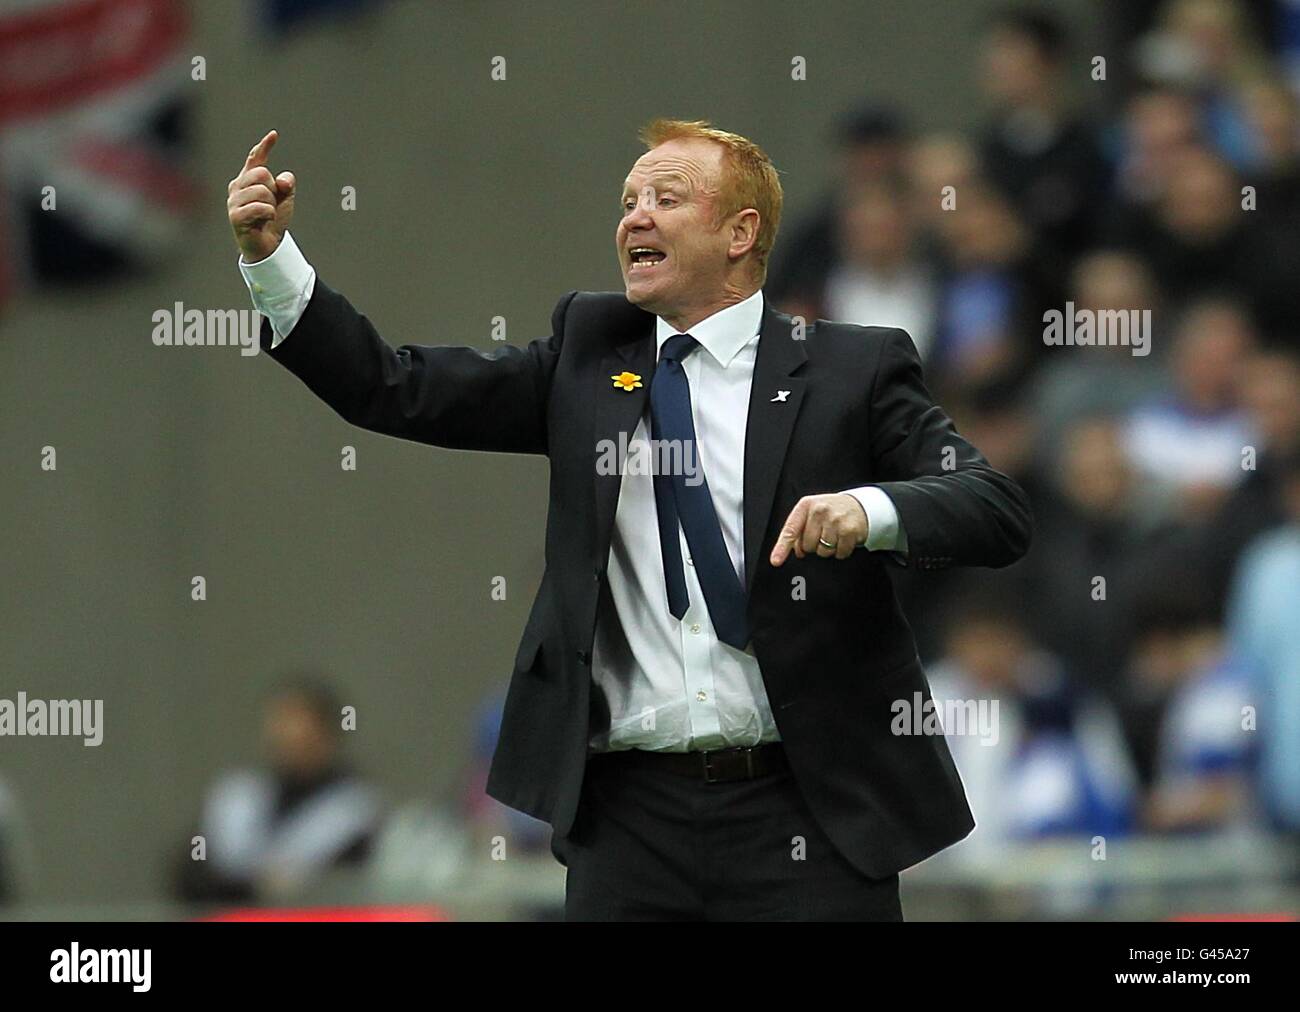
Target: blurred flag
point(93, 102)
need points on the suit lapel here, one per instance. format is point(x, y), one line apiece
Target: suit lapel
point(617, 412)
point(771, 421)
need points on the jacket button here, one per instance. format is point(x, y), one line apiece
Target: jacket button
point(584, 657)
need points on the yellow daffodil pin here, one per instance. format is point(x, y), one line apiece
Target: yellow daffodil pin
point(628, 381)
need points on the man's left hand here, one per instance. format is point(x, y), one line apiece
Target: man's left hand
point(836, 518)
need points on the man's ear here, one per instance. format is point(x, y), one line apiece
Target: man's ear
point(744, 232)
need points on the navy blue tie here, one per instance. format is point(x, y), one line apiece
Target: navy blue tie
point(671, 423)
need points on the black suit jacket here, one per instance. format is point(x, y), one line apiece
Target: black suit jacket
point(832, 661)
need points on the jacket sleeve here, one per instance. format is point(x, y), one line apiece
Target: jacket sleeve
point(455, 397)
point(956, 510)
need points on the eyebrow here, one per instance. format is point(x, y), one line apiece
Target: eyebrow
point(660, 177)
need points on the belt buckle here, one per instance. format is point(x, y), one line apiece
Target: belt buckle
point(705, 757)
point(709, 778)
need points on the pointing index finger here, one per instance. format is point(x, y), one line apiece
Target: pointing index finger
point(788, 539)
point(257, 156)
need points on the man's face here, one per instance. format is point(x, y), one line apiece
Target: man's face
point(990, 652)
point(669, 209)
point(1014, 69)
point(1096, 469)
point(299, 746)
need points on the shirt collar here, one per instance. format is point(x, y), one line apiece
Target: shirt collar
point(724, 333)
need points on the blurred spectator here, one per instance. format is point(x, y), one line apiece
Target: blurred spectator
point(1200, 236)
point(1053, 762)
point(1191, 441)
point(1270, 389)
point(880, 280)
point(1209, 48)
point(420, 850)
point(995, 289)
point(1103, 527)
point(1265, 629)
point(1159, 125)
point(1043, 156)
point(934, 164)
point(1107, 379)
point(272, 831)
point(1273, 116)
point(1190, 698)
point(872, 144)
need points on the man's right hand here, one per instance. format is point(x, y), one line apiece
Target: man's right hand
point(260, 204)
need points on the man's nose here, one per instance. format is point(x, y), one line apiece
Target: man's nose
point(638, 217)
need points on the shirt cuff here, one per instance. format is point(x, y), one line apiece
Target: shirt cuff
point(884, 526)
point(280, 285)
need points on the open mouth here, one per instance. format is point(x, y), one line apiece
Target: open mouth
point(645, 258)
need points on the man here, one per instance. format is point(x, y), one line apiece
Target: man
point(1037, 150)
point(275, 830)
point(701, 700)
point(1262, 628)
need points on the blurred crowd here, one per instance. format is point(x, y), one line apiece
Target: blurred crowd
point(276, 828)
point(1146, 654)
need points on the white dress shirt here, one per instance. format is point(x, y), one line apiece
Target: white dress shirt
point(668, 684)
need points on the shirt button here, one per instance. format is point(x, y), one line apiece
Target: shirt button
point(701, 695)
point(690, 561)
point(695, 627)
point(257, 288)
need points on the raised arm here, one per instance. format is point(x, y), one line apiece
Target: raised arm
point(456, 397)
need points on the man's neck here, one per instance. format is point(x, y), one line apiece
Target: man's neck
point(683, 321)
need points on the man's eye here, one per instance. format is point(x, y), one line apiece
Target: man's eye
point(631, 202)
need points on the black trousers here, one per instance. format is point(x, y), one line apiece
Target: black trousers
point(651, 845)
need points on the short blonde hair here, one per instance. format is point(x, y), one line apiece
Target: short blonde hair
point(749, 177)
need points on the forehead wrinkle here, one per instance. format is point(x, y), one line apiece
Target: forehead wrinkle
point(659, 175)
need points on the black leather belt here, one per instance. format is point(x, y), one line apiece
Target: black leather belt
point(714, 766)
